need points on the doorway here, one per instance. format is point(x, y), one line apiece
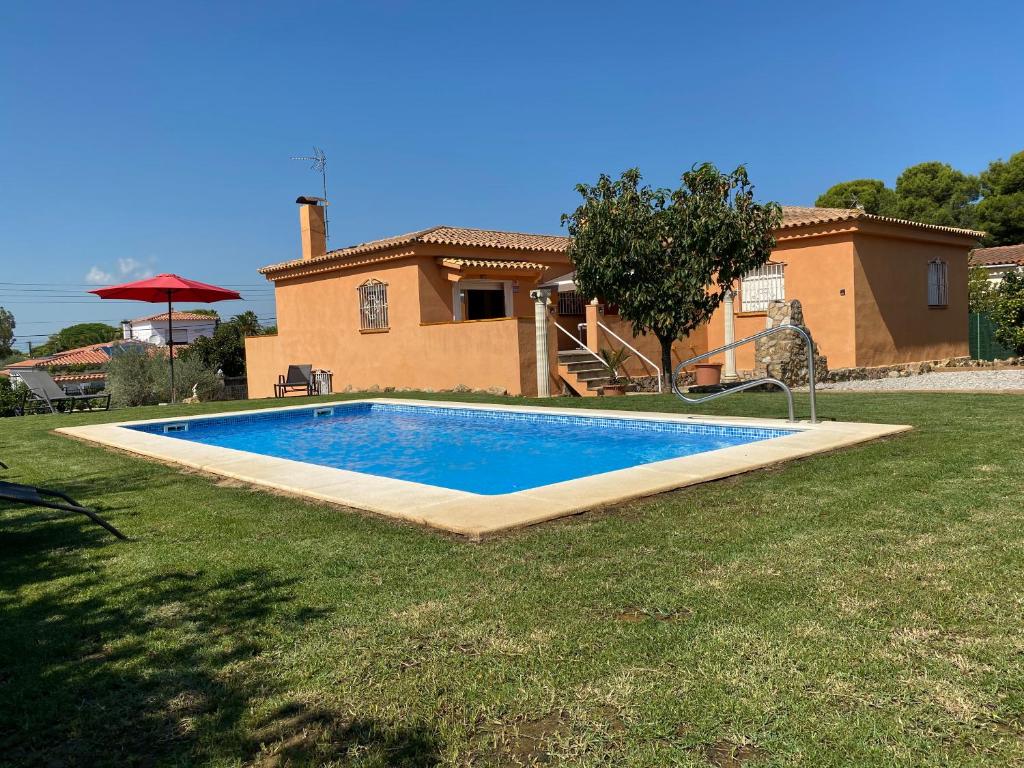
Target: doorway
point(482, 299)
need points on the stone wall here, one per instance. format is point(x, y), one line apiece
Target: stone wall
point(783, 356)
point(903, 370)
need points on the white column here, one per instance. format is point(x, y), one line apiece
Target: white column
point(541, 297)
point(729, 374)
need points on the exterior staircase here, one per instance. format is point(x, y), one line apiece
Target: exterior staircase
point(581, 372)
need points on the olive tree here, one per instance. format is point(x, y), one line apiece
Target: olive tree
point(668, 257)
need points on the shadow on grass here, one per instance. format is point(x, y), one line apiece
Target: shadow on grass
point(163, 668)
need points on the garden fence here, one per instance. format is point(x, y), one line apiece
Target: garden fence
point(982, 340)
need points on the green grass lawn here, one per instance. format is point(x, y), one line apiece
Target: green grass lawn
point(857, 608)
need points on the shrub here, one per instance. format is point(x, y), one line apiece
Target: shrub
point(137, 376)
point(10, 396)
point(189, 373)
point(980, 293)
point(1007, 312)
point(133, 378)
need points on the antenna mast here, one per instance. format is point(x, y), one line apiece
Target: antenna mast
point(319, 163)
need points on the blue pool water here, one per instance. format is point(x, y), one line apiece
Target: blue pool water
point(480, 451)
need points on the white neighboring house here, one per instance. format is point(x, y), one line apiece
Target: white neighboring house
point(998, 261)
point(187, 327)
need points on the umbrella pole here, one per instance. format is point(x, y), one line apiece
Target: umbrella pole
point(170, 341)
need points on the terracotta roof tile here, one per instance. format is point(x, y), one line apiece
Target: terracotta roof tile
point(175, 316)
point(792, 216)
point(91, 376)
point(94, 354)
point(1003, 254)
point(490, 238)
point(490, 263)
point(802, 216)
point(477, 238)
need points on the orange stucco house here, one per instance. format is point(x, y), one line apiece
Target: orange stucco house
point(450, 307)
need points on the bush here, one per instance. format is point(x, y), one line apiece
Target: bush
point(189, 373)
point(133, 378)
point(137, 376)
point(1007, 312)
point(10, 396)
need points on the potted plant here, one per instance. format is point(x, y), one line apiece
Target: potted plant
point(613, 360)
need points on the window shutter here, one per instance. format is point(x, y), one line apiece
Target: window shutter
point(938, 291)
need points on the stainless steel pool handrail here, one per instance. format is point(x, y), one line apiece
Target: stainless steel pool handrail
point(756, 382)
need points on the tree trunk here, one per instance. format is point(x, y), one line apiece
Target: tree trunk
point(666, 360)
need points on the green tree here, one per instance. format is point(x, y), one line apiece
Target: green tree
point(667, 257)
point(248, 323)
point(980, 293)
point(79, 335)
point(1007, 312)
point(6, 332)
point(937, 193)
point(225, 350)
point(870, 194)
point(1001, 210)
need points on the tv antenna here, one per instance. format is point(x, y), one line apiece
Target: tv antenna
point(319, 163)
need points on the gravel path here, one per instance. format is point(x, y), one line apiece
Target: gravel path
point(937, 382)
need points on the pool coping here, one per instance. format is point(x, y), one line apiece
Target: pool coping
point(476, 515)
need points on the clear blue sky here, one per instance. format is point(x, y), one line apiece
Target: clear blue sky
point(143, 137)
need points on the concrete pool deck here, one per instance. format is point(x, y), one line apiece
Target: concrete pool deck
point(475, 515)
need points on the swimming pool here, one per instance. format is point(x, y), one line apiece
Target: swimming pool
point(486, 452)
point(469, 469)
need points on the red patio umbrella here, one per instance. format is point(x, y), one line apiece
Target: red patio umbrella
point(167, 288)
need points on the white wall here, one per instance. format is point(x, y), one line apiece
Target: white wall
point(185, 331)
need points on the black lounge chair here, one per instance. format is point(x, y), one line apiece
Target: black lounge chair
point(300, 377)
point(44, 392)
point(35, 497)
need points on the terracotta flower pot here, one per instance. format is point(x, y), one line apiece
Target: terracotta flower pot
point(708, 374)
point(613, 390)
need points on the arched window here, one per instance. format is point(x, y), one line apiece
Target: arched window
point(938, 290)
point(373, 306)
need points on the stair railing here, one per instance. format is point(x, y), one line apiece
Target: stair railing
point(580, 344)
point(636, 351)
point(755, 382)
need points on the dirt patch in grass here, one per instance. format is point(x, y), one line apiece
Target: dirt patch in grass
point(297, 734)
point(636, 615)
point(528, 742)
point(726, 754)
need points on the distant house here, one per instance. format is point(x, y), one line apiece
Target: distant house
point(187, 326)
point(451, 306)
point(83, 365)
point(999, 260)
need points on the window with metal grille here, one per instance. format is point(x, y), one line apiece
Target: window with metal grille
point(938, 284)
point(373, 306)
point(761, 286)
point(570, 303)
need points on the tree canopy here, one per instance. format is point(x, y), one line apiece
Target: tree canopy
point(6, 332)
point(1001, 210)
point(870, 194)
point(667, 257)
point(225, 350)
point(78, 335)
point(937, 193)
